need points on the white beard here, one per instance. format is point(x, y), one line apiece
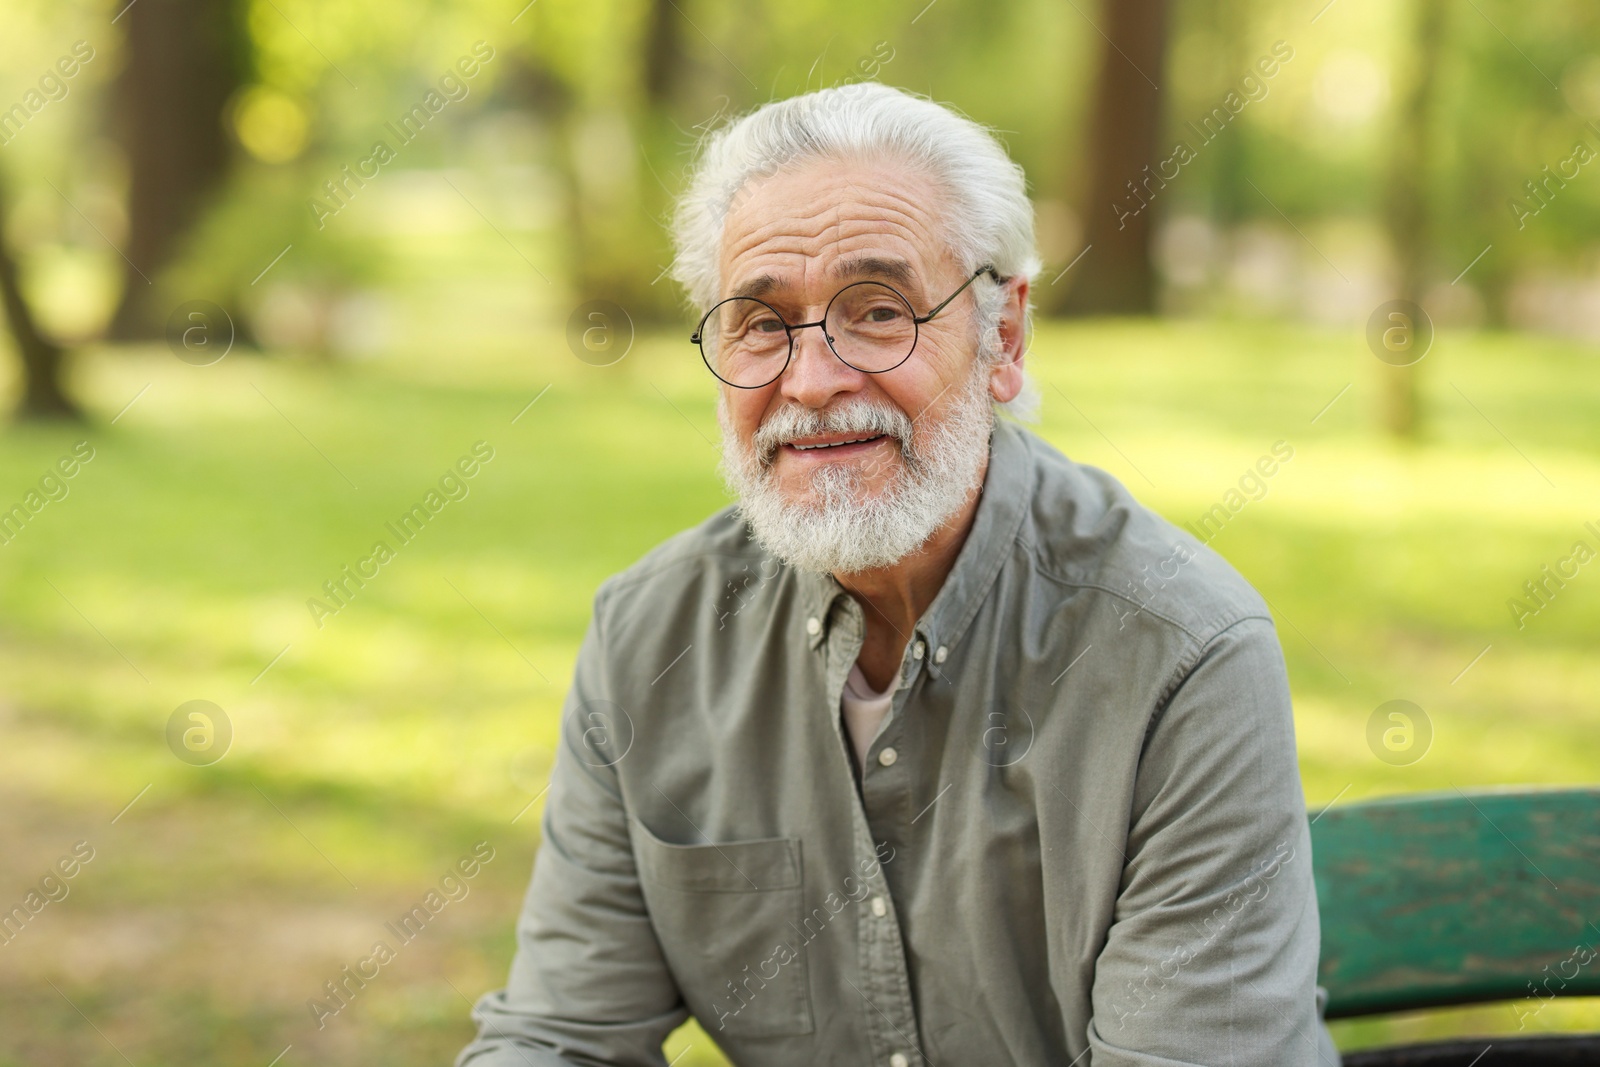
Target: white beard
point(834, 531)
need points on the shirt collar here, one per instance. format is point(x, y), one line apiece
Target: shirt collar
point(1002, 502)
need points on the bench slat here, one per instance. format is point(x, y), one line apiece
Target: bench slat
point(1452, 898)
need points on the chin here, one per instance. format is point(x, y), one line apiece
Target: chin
point(833, 487)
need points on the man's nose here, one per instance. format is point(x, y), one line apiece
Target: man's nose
point(815, 375)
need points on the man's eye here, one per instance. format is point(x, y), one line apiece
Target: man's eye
point(883, 313)
point(766, 326)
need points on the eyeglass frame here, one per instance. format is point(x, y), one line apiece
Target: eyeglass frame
point(916, 322)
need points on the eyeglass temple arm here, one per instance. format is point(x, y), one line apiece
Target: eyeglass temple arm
point(987, 268)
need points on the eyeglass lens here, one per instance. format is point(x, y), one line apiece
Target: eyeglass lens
point(868, 325)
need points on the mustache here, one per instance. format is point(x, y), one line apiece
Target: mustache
point(795, 421)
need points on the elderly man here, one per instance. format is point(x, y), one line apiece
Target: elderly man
point(937, 747)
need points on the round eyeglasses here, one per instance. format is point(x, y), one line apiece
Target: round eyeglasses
point(868, 325)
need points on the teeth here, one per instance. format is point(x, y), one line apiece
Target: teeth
point(835, 444)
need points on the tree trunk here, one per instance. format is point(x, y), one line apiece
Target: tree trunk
point(664, 60)
point(1232, 198)
point(1406, 209)
point(1230, 191)
point(184, 61)
point(1117, 277)
point(602, 153)
point(42, 394)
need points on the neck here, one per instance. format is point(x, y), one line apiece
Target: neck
point(893, 598)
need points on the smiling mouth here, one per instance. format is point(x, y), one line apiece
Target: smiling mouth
point(836, 444)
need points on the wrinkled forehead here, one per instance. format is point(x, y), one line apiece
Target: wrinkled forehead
point(804, 230)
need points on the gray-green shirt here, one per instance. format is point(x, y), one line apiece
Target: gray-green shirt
point(1079, 839)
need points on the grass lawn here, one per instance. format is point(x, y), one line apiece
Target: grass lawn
point(372, 752)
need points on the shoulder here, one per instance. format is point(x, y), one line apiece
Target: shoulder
point(1085, 531)
point(688, 573)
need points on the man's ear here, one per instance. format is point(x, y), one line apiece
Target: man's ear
point(1005, 380)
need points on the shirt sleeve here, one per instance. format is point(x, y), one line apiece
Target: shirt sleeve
point(1212, 955)
point(588, 983)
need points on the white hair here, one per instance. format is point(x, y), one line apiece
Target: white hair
point(988, 218)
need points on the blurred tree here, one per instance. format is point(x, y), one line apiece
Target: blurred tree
point(1519, 85)
point(1121, 278)
point(1230, 190)
point(42, 394)
point(664, 60)
point(1409, 194)
point(608, 129)
point(184, 61)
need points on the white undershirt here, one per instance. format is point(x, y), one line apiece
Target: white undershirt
point(863, 711)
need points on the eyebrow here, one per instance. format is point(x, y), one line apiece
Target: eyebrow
point(894, 270)
point(757, 287)
point(887, 268)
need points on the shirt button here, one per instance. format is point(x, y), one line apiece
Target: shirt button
point(916, 653)
point(879, 908)
point(888, 756)
point(940, 654)
point(899, 1060)
point(813, 626)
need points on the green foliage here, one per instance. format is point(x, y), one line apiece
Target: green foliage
point(605, 152)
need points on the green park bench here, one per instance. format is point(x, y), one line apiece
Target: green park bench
point(1462, 898)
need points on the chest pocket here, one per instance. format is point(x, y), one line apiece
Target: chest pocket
point(726, 916)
